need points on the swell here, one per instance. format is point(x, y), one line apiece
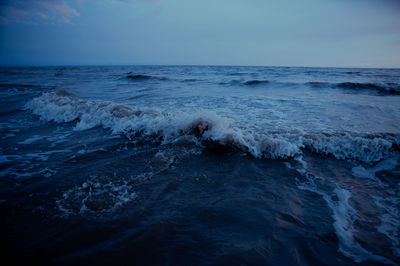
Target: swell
point(205, 128)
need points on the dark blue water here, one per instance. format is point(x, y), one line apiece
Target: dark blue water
point(200, 165)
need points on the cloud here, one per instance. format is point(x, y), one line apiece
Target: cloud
point(61, 11)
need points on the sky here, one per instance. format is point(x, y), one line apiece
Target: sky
point(337, 33)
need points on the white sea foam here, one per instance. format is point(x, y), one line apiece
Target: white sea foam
point(279, 143)
point(390, 220)
point(362, 172)
point(96, 196)
point(31, 140)
point(44, 156)
point(4, 159)
point(47, 172)
point(344, 216)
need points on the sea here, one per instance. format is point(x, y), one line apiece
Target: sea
point(199, 165)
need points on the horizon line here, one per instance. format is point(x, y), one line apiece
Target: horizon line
point(192, 65)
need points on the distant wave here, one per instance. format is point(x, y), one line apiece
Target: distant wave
point(15, 85)
point(381, 89)
point(256, 82)
point(138, 76)
point(190, 80)
point(207, 129)
point(230, 83)
point(352, 73)
point(13, 89)
point(9, 72)
point(237, 73)
point(389, 88)
point(142, 77)
point(317, 83)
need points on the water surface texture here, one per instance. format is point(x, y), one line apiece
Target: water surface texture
point(200, 165)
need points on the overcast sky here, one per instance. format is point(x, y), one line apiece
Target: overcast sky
point(346, 33)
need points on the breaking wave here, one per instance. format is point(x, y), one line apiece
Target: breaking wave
point(208, 130)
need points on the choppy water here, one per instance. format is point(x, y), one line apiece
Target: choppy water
point(200, 165)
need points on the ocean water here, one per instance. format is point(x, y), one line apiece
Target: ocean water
point(200, 165)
